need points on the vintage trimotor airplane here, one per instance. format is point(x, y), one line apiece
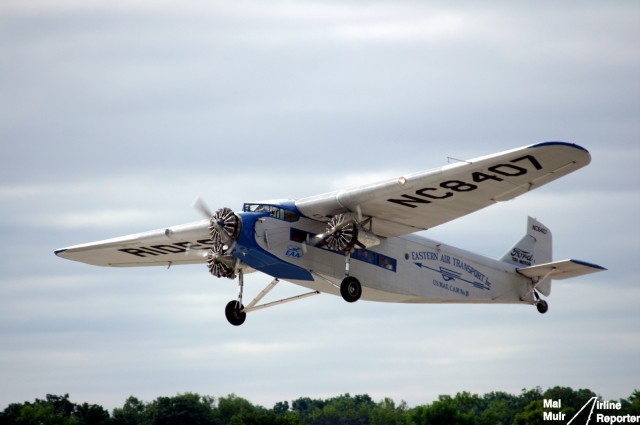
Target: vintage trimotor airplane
point(358, 242)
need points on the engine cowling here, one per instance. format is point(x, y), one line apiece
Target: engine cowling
point(342, 234)
point(220, 262)
point(225, 226)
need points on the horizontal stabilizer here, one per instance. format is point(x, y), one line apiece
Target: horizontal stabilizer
point(564, 269)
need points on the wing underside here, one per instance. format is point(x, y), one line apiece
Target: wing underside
point(427, 199)
point(185, 244)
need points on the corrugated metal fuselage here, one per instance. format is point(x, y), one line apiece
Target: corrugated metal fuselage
point(407, 269)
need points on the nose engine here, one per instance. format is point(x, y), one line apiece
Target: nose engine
point(224, 227)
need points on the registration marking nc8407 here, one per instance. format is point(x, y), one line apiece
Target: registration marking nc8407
point(449, 188)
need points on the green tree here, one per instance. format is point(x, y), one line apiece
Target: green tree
point(387, 413)
point(91, 414)
point(526, 397)
point(281, 408)
point(264, 417)
point(631, 405)
point(344, 410)
point(531, 415)
point(306, 407)
point(182, 409)
point(10, 414)
point(499, 409)
point(231, 408)
point(61, 404)
point(572, 400)
point(446, 411)
point(469, 404)
point(132, 413)
point(55, 409)
point(40, 413)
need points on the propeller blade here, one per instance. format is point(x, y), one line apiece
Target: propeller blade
point(202, 207)
point(200, 252)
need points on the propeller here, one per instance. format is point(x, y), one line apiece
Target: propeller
point(224, 224)
point(224, 228)
point(341, 234)
point(344, 232)
point(200, 205)
point(220, 263)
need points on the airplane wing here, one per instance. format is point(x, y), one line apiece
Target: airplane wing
point(426, 199)
point(564, 269)
point(184, 244)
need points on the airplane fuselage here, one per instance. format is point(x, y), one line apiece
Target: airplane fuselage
point(407, 269)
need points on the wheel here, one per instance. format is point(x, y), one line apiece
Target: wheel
point(542, 306)
point(350, 289)
point(235, 315)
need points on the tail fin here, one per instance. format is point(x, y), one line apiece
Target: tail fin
point(534, 248)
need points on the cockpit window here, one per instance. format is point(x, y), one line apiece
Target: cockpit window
point(273, 210)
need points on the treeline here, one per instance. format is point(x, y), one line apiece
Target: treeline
point(494, 408)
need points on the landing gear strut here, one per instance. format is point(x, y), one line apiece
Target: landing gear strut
point(540, 304)
point(350, 288)
point(235, 310)
point(237, 313)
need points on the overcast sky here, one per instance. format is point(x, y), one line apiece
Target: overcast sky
point(115, 116)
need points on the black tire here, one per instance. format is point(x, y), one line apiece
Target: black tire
point(235, 315)
point(350, 289)
point(542, 306)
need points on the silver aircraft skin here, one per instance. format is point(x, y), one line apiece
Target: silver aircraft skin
point(358, 243)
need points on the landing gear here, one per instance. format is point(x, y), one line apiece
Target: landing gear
point(235, 313)
point(350, 289)
point(542, 306)
point(235, 310)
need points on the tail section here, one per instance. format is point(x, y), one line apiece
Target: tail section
point(564, 269)
point(533, 257)
point(534, 248)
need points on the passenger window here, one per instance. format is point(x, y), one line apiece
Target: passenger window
point(290, 216)
point(386, 263)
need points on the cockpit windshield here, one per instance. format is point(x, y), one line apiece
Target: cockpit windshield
point(274, 211)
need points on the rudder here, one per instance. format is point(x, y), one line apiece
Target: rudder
point(534, 248)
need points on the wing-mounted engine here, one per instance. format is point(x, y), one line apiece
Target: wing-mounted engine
point(341, 234)
point(344, 232)
point(224, 228)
